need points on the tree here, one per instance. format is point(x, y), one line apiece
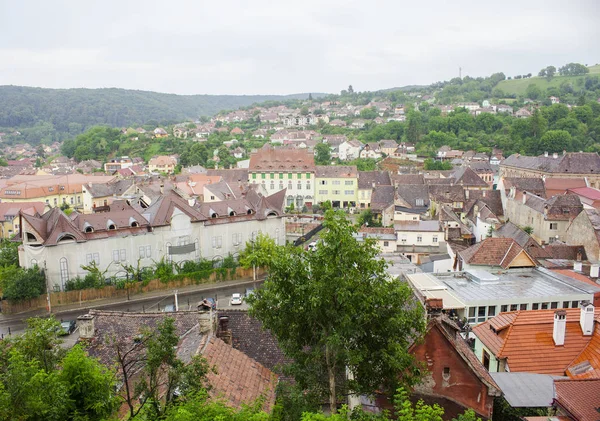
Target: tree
point(533, 91)
point(550, 72)
point(322, 154)
point(430, 164)
point(304, 110)
point(258, 252)
point(335, 309)
point(555, 141)
point(413, 132)
point(573, 69)
point(350, 89)
point(367, 218)
point(20, 284)
point(528, 229)
point(310, 98)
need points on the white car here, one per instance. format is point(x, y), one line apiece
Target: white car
point(236, 299)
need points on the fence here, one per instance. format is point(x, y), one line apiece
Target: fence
point(62, 298)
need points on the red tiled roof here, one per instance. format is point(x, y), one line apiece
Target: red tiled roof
point(526, 340)
point(494, 252)
point(581, 398)
point(239, 378)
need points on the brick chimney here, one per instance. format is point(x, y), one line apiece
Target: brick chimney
point(586, 319)
point(86, 326)
point(224, 332)
point(206, 319)
point(560, 327)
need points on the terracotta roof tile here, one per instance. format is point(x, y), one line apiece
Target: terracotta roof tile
point(493, 252)
point(581, 398)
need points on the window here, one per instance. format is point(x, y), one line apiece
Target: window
point(404, 236)
point(217, 242)
point(322, 191)
point(254, 176)
point(335, 192)
point(336, 182)
point(435, 239)
point(386, 243)
point(290, 185)
point(480, 314)
point(323, 182)
point(419, 239)
point(419, 202)
point(115, 255)
point(55, 201)
point(472, 311)
point(348, 192)
point(523, 307)
point(64, 270)
point(142, 252)
point(149, 252)
point(554, 304)
point(280, 175)
point(308, 176)
point(123, 255)
point(565, 304)
point(290, 176)
point(446, 373)
point(491, 311)
point(349, 182)
point(513, 307)
point(544, 306)
point(535, 306)
point(575, 304)
point(72, 200)
point(307, 186)
point(503, 308)
point(299, 185)
point(553, 225)
point(272, 185)
point(272, 176)
point(263, 176)
point(93, 257)
point(237, 239)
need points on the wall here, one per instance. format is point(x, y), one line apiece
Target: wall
point(275, 182)
point(345, 192)
point(581, 231)
point(406, 216)
point(364, 198)
point(479, 348)
point(461, 385)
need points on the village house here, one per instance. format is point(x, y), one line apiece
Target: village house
point(411, 202)
point(388, 147)
point(337, 184)
point(585, 229)
point(160, 133)
point(385, 238)
point(371, 150)
point(162, 164)
point(417, 239)
point(350, 150)
point(118, 164)
point(292, 170)
point(9, 216)
point(367, 182)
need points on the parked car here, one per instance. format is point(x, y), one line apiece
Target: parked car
point(236, 299)
point(249, 292)
point(312, 246)
point(212, 302)
point(66, 327)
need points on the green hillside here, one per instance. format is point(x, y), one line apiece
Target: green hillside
point(56, 114)
point(519, 86)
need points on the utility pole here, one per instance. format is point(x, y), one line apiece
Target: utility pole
point(176, 303)
point(460, 72)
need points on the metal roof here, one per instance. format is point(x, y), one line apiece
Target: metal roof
point(526, 390)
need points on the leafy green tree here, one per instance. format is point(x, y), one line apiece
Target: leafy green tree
point(335, 309)
point(369, 113)
point(367, 218)
point(533, 91)
point(20, 284)
point(9, 253)
point(555, 141)
point(40, 342)
point(528, 229)
point(258, 253)
point(413, 131)
point(322, 154)
point(430, 164)
point(573, 69)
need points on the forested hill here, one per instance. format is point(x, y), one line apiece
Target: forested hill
point(55, 114)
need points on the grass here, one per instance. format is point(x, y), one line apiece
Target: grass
point(519, 86)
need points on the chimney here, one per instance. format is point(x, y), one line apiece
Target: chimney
point(206, 318)
point(86, 326)
point(224, 332)
point(578, 266)
point(560, 326)
point(586, 320)
point(524, 197)
point(466, 193)
point(594, 271)
point(546, 154)
point(162, 188)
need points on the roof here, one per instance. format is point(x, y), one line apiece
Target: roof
point(570, 162)
point(587, 192)
point(282, 159)
point(561, 185)
point(465, 176)
point(35, 186)
point(403, 179)
point(382, 197)
point(12, 209)
point(368, 179)
point(526, 340)
point(579, 397)
point(408, 194)
point(229, 176)
point(430, 226)
point(526, 390)
point(162, 160)
point(494, 252)
point(528, 184)
point(336, 171)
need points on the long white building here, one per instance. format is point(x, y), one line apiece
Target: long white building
point(170, 228)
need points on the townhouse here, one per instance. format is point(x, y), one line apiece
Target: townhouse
point(338, 184)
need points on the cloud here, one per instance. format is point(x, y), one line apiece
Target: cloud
point(265, 46)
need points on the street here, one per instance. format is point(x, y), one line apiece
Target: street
point(186, 301)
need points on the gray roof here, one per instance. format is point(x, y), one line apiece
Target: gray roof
point(526, 390)
point(520, 286)
point(367, 178)
point(431, 226)
point(572, 162)
point(336, 171)
point(409, 193)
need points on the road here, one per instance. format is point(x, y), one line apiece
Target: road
point(186, 301)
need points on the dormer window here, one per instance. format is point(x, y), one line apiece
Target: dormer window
point(133, 222)
point(110, 225)
point(87, 227)
point(249, 212)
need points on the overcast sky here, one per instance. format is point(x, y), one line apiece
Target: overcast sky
point(281, 46)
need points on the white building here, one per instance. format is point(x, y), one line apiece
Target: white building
point(349, 150)
point(169, 229)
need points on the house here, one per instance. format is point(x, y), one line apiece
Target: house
point(358, 124)
point(512, 231)
point(9, 216)
point(236, 131)
point(97, 195)
point(494, 254)
point(575, 165)
point(469, 179)
point(452, 369)
point(337, 184)
point(556, 341)
point(484, 170)
point(503, 108)
point(53, 190)
point(411, 202)
point(385, 237)
point(162, 164)
point(337, 123)
point(589, 197)
point(478, 295)
point(451, 195)
point(292, 170)
point(382, 204)
point(237, 378)
point(160, 133)
point(417, 239)
point(116, 164)
point(180, 132)
point(577, 400)
point(367, 182)
point(523, 113)
point(388, 147)
point(482, 219)
point(168, 228)
point(554, 100)
point(549, 218)
point(350, 150)
point(585, 229)
point(371, 150)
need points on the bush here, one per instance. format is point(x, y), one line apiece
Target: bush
point(22, 284)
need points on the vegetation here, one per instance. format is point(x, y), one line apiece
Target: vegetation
point(16, 283)
point(430, 164)
point(335, 309)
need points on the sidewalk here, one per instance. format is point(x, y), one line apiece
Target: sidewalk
point(137, 298)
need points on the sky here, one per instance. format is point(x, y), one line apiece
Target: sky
point(285, 47)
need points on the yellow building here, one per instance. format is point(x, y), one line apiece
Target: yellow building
point(53, 190)
point(162, 163)
point(9, 216)
point(338, 184)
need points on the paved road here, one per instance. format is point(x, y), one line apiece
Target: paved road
point(185, 300)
